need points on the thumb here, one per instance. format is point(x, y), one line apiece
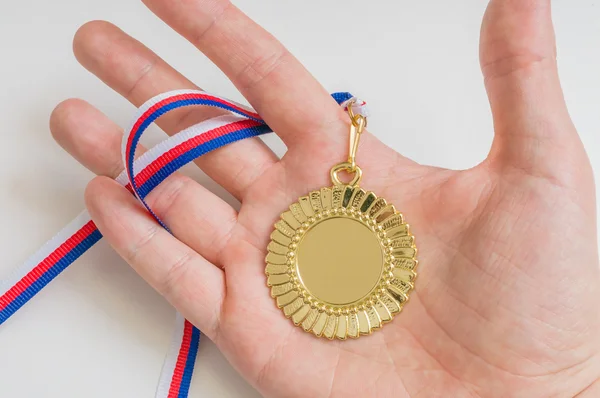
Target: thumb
point(518, 59)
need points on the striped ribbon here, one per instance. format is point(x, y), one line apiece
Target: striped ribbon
point(141, 176)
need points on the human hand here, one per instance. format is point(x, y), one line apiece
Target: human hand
point(506, 303)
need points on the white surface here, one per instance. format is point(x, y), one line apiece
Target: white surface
point(98, 330)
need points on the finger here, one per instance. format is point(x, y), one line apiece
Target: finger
point(138, 74)
point(196, 216)
point(518, 59)
point(276, 84)
point(186, 279)
point(89, 136)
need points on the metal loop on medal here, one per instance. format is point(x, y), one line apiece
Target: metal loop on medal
point(357, 126)
point(349, 168)
point(358, 121)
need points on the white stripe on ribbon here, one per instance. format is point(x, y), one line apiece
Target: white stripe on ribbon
point(25, 268)
point(161, 97)
point(140, 164)
point(359, 106)
point(165, 146)
point(166, 375)
point(144, 161)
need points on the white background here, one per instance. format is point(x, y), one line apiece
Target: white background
point(98, 330)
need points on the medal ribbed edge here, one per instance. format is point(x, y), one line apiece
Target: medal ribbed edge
point(396, 282)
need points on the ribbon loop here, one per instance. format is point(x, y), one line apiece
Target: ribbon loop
point(141, 176)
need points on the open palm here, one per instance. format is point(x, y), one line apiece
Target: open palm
point(506, 303)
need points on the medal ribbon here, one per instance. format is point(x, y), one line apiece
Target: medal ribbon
point(140, 177)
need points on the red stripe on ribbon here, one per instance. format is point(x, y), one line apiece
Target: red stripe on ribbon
point(141, 178)
point(47, 264)
point(184, 147)
point(181, 360)
point(176, 98)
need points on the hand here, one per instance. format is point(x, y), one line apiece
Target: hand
point(506, 303)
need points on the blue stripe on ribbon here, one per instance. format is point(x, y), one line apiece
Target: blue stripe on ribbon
point(49, 275)
point(155, 115)
point(191, 155)
point(143, 191)
point(196, 152)
point(190, 362)
point(174, 105)
point(175, 165)
point(341, 97)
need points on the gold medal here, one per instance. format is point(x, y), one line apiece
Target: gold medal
point(341, 261)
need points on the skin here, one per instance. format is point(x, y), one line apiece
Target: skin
point(506, 303)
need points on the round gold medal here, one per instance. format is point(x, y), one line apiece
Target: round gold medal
point(341, 261)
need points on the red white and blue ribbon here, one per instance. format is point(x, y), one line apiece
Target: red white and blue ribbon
point(141, 177)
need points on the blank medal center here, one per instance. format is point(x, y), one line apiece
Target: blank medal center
point(340, 261)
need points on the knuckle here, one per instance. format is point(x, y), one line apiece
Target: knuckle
point(144, 72)
point(175, 273)
point(262, 67)
point(165, 197)
point(142, 243)
point(516, 63)
point(215, 21)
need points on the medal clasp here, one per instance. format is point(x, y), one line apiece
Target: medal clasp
point(357, 127)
